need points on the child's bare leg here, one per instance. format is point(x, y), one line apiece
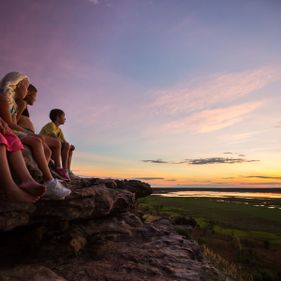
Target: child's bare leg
point(65, 154)
point(36, 147)
point(69, 159)
point(47, 152)
point(14, 193)
point(26, 123)
point(55, 146)
point(27, 183)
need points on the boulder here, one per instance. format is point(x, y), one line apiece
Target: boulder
point(90, 202)
point(140, 189)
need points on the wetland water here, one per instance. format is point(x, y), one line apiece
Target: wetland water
point(269, 198)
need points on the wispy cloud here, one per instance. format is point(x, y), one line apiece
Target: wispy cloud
point(160, 161)
point(203, 161)
point(219, 160)
point(231, 153)
point(157, 161)
point(211, 120)
point(263, 177)
point(217, 89)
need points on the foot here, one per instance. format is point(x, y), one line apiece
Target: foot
point(33, 188)
point(60, 173)
point(56, 191)
point(72, 176)
point(17, 195)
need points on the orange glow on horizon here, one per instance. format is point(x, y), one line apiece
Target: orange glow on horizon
point(162, 179)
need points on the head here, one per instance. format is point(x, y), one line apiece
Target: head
point(31, 95)
point(15, 85)
point(57, 116)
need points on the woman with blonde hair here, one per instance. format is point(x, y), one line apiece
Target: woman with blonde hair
point(15, 84)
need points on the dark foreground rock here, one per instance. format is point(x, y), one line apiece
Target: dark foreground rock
point(95, 234)
point(120, 248)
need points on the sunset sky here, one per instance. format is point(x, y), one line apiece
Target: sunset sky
point(172, 92)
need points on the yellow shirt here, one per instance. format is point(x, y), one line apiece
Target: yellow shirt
point(51, 129)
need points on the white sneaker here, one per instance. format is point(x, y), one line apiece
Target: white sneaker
point(55, 190)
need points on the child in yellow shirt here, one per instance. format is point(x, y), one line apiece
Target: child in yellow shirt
point(52, 129)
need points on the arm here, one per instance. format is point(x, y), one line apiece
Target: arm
point(3, 126)
point(53, 135)
point(21, 107)
point(6, 115)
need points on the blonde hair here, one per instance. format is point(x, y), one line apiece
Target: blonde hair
point(9, 83)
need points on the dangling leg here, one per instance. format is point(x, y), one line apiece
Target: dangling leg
point(36, 147)
point(47, 152)
point(55, 145)
point(14, 193)
point(69, 160)
point(27, 183)
point(65, 155)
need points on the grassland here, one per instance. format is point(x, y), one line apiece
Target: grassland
point(239, 231)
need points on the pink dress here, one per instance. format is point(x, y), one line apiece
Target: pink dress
point(11, 141)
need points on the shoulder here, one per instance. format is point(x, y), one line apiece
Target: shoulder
point(46, 126)
point(52, 127)
point(21, 102)
point(51, 124)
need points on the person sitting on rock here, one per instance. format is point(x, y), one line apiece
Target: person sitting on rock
point(52, 129)
point(53, 143)
point(28, 190)
point(16, 84)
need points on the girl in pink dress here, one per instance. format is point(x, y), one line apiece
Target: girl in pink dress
point(28, 190)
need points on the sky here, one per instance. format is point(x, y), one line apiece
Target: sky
point(171, 92)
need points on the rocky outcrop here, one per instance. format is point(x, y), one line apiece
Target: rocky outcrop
point(89, 202)
point(140, 189)
point(116, 248)
point(96, 234)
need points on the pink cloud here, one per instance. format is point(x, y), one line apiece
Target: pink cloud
point(217, 89)
point(211, 120)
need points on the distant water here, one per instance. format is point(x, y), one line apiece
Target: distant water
point(215, 192)
point(220, 194)
point(269, 198)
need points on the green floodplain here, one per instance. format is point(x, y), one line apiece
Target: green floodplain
point(241, 236)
